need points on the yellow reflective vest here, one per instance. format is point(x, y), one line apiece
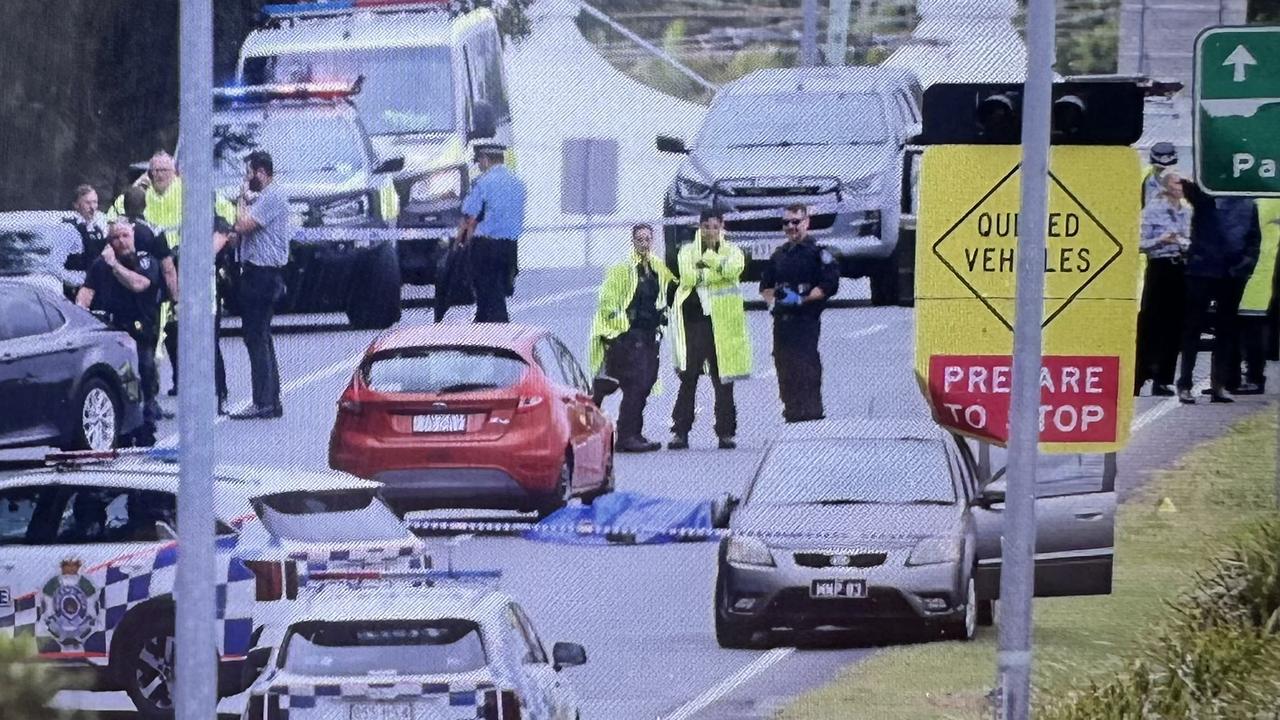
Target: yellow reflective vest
point(1257, 293)
point(616, 293)
point(163, 211)
point(721, 297)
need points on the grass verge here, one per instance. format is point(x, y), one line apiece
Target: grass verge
point(1221, 489)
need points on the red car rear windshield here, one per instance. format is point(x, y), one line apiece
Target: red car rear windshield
point(443, 370)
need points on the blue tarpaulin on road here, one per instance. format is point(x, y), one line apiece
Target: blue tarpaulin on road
point(628, 518)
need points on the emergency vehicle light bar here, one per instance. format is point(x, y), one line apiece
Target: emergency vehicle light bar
point(331, 8)
point(431, 577)
point(75, 458)
point(290, 91)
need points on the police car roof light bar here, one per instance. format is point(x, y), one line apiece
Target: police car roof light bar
point(434, 577)
point(336, 8)
point(75, 458)
point(328, 90)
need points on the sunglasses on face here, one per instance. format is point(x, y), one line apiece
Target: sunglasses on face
point(793, 221)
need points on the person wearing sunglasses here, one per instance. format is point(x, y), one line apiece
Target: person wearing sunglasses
point(796, 283)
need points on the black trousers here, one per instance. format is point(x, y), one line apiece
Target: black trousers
point(1160, 322)
point(1226, 294)
point(700, 350)
point(149, 377)
point(798, 364)
point(493, 263)
point(1254, 337)
point(219, 367)
point(632, 360)
point(171, 344)
point(260, 289)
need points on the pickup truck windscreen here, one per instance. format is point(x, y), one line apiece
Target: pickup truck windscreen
point(795, 119)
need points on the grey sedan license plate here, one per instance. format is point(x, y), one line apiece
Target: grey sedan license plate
point(838, 589)
point(439, 423)
point(371, 711)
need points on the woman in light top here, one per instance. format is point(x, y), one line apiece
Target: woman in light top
point(1166, 235)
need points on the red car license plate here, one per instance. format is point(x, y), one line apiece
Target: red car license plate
point(439, 423)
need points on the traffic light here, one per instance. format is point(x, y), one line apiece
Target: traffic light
point(1083, 113)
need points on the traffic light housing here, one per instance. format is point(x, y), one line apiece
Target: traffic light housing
point(1084, 113)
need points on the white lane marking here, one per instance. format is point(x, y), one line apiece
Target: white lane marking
point(726, 686)
point(864, 332)
point(1161, 409)
point(348, 363)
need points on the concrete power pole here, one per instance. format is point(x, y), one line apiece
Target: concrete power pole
point(809, 33)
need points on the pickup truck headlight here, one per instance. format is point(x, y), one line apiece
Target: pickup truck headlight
point(439, 185)
point(691, 189)
point(748, 551)
point(935, 551)
point(861, 186)
point(352, 208)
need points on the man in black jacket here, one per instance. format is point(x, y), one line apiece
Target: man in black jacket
point(1225, 237)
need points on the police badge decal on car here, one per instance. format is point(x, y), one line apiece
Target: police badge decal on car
point(70, 605)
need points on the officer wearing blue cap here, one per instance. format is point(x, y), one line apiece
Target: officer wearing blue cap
point(493, 219)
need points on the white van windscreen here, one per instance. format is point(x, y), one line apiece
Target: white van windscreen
point(405, 90)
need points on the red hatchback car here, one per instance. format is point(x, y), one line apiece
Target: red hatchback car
point(473, 416)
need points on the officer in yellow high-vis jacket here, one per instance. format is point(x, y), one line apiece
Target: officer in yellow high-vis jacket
point(625, 335)
point(164, 212)
point(709, 329)
point(1257, 301)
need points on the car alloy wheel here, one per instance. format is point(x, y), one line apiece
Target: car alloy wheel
point(153, 675)
point(98, 418)
point(967, 627)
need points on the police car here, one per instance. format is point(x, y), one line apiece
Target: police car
point(419, 645)
point(434, 85)
point(88, 552)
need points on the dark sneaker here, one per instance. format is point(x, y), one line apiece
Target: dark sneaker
point(727, 443)
point(678, 442)
point(1185, 397)
point(1249, 389)
point(636, 445)
point(1162, 391)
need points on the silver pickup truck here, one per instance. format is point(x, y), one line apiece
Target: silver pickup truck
point(833, 138)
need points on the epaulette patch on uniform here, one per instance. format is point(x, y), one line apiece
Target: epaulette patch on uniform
point(827, 257)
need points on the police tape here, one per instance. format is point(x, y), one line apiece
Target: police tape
point(629, 533)
point(693, 220)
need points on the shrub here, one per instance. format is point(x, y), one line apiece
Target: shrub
point(27, 688)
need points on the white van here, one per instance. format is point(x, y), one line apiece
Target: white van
point(433, 86)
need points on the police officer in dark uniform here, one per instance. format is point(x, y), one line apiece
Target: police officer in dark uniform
point(796, 282)
point(125, 284)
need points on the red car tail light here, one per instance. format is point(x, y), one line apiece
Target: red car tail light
point(268, 579)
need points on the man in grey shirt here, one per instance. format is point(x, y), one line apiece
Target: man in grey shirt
point(262, 224)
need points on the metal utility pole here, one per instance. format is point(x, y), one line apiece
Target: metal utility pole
point(809, 33)
point(838, 32)
point(196, 677)
point(1017, 578)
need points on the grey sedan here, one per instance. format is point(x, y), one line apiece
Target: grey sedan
point(865, 523)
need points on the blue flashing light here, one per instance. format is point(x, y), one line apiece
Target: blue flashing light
point(279, 11)
point(430, 578)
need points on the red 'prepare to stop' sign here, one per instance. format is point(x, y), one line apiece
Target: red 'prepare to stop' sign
point(1078, 396)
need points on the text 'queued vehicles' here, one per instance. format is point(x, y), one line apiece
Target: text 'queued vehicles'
point(473, 416)
point(66, 379)
point(90, 551)
point(832, 138)
point(433, 84)
point(433, 645)
point(338, 191)
point(874, 522)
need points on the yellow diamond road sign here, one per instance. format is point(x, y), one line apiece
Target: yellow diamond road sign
point(980, 247)
point(965, 280)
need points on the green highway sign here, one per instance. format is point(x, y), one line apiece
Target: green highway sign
point(1237, 110)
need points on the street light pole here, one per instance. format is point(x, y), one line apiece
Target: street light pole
point(196, 673)
point(1017, 578)
point(838, 32)
point(809, 33)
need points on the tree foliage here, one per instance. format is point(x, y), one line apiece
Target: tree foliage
point(27, 688)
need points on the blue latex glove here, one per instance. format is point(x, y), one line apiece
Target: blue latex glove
point(790, 298)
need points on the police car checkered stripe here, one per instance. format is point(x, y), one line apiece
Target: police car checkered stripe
point(306, 696)
point(359, 554)
point(121, 592)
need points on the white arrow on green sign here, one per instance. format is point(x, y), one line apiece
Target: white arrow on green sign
point(1237, 117)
